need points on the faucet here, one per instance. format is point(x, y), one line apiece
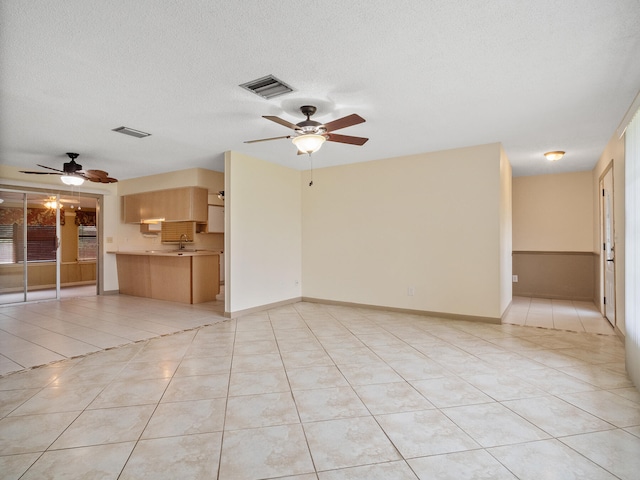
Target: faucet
point(186, 239)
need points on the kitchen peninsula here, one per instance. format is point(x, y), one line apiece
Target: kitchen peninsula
point(175, 275)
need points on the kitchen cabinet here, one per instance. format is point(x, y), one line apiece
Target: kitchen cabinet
point(172, 205)
point(131, 208)
point(215, 219)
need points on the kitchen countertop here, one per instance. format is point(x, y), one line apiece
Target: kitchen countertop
point(169, 253)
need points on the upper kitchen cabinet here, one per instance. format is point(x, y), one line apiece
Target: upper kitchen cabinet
point(172, 205)
point(216, 219)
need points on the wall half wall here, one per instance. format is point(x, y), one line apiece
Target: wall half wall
point(553, 223)
point(262, 234)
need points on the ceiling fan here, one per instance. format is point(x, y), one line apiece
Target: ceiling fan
point(73, 174)
point(310, 135)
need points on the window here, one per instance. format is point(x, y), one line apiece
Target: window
point(6, 244)
point(41, 243)
point(87, 242)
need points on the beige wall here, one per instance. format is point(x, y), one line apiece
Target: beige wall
point(553, 212)
point(506, 230)
point(262, 233)
point(191, 177)
point(435, 222)
point(614, 152)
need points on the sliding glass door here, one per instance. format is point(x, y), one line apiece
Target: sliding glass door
point(29, 246)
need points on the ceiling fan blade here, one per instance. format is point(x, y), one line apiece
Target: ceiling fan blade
point(334, 137)
point(267, 139)
point(42, 173)
point(98, 176)
point(282, 122)
point(94, 173)
point(50, 168)
point(103, 179)
point(344, 122)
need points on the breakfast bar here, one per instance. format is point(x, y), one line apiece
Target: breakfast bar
point(174, 275)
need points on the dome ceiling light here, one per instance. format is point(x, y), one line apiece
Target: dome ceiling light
point(554, 156)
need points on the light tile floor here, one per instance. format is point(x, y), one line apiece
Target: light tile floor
point(567, 315)
point(317, 392)
point(35, 334)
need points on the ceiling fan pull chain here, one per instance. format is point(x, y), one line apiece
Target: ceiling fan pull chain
point(311, 160)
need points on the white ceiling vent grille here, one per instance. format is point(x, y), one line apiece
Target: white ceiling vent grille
point(132, 132)
point(267, 87)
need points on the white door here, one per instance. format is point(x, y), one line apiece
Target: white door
point(608, 248)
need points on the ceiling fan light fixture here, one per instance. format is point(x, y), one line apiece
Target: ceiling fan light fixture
point(554, 156)
point(309, 143)
point(73, 180)
point(52, 204)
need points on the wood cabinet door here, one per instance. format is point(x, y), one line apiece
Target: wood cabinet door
point(199, 200)
point(174, 205)
point(216, 219)
point(131, 208)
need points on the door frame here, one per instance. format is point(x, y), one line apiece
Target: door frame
point(601, 246)
point(58, 192)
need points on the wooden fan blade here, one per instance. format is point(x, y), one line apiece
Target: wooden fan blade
point(95, 173)
point(50, 168)
point(267, 139)
point(334, 137)
point(102, 179)
point(282, 122)
point(344, 122)
point(42, 173)
point(98, 176)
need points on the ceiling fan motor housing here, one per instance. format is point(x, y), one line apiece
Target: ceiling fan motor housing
point(71, 167)
point(308, 125)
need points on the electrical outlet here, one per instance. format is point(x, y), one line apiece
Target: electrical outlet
point(514, 278)
point(411, 291)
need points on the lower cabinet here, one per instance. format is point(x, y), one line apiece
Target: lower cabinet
point(175, 278)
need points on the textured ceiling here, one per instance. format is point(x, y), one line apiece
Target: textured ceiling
point(426, 75)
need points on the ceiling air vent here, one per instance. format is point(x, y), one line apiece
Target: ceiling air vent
point(132, 132)
point(267, 87)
